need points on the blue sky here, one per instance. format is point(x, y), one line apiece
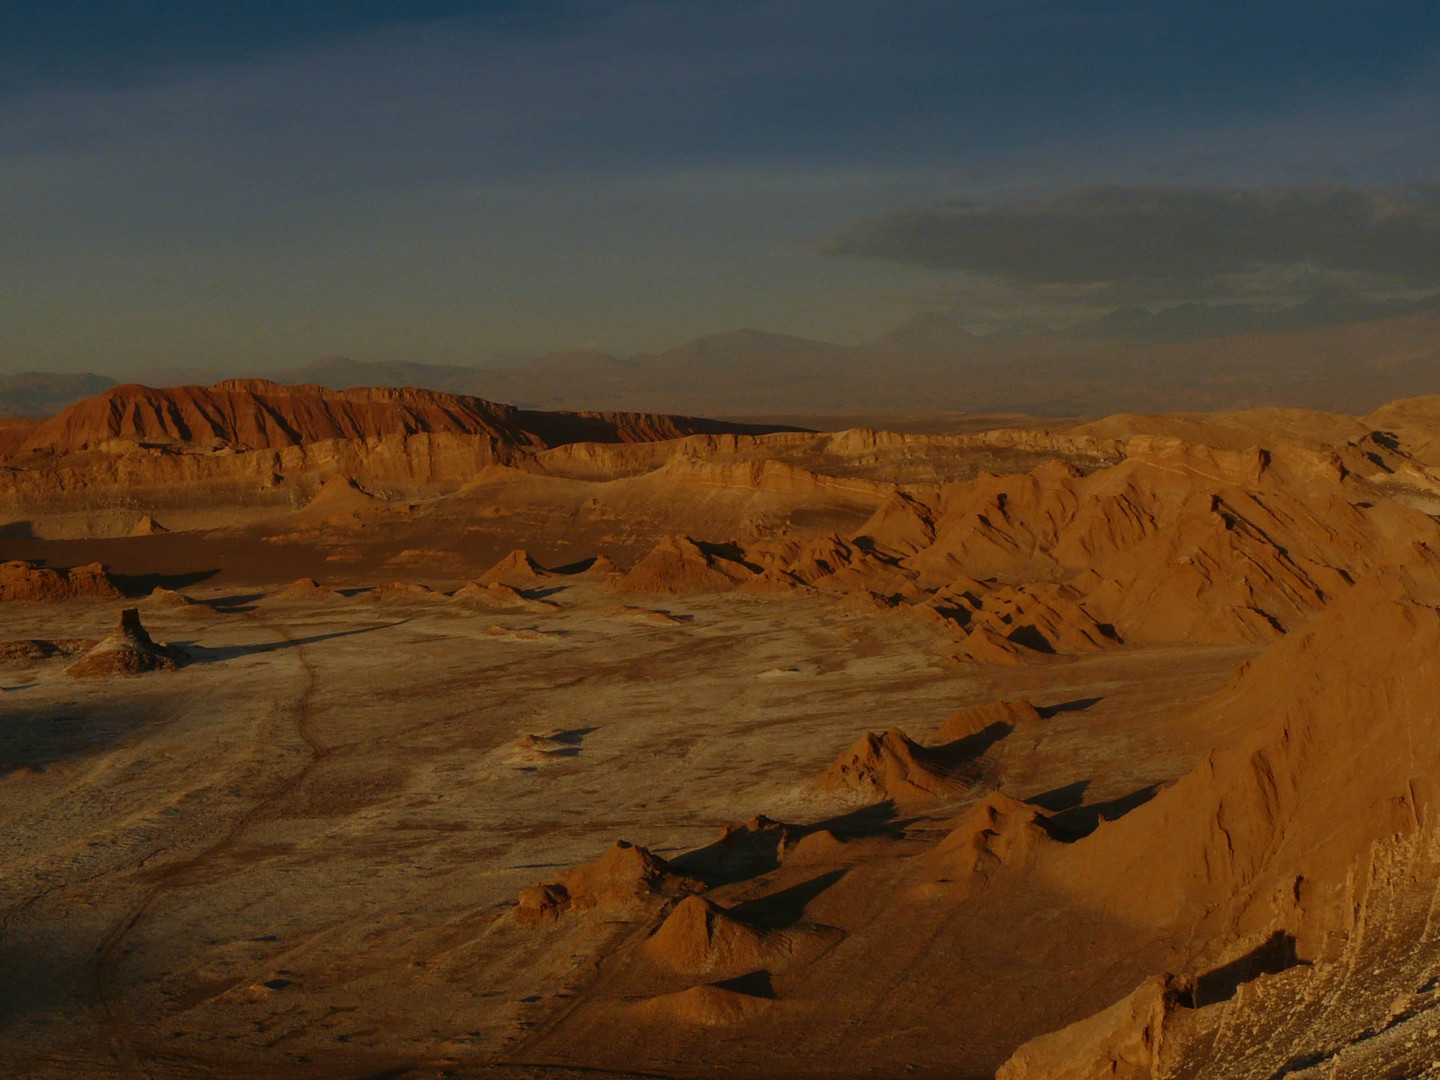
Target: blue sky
point(248, 184)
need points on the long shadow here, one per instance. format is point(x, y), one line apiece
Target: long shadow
point(573, 736)
point(739, 855)
point(1300, 1063)
point(1078, 822)
point(30, 990)
point(559, 429)
point(959, 616)
point(731, 552)
point(137, 585)
point(786, 907)
point(973, 746)
point(575, 567)
point(745, 853)
point(41, 734)
point(1031, 638)
point(202, 654)
point(1061, 798)
point(878, 819)
point(961, 760)
point(756, 984)
point(542, 593)
point(237, 603)
point(1078, 705)
point(1270, 957)
point(867, 545)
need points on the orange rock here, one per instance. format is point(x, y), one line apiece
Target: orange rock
point(624, 876)
point(128, 650)
point(680, 565)
point(893, 766)
point(21, 580)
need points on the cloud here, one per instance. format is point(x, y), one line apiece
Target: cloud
point(511, 176)
point(1133, 244)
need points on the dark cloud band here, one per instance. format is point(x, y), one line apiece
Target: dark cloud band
point(1178, 235)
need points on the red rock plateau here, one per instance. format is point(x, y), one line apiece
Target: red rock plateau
point(514, 745)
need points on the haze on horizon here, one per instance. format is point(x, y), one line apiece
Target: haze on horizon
point(243, 186)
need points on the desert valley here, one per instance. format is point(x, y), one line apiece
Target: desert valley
point(679, 540)
point(394, 733)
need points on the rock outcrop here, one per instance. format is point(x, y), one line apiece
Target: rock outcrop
point(679, 564)
point(258, 415)
point(21, 580)
point(893, 766)
point(623, 877)
point(127, 651)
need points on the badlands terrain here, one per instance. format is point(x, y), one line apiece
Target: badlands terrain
point(393, 733)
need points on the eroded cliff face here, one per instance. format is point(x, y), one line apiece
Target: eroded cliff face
point(254, 414)
point(247, 450)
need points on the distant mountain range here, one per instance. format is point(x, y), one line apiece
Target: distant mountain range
point(931, 365)
point(1189, 358)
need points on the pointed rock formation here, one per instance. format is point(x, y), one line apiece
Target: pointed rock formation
point(517, 567)
point(997, 833)
point(893, 766)
point(624, 876)
point(678, 564)
point(127, 650)
point(147, 526)
point(702, 939)
point(703, 1007)
point(163, 599)
point(307, 588)
point(1015, 623)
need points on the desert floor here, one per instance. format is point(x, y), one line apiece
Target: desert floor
point(303, 849)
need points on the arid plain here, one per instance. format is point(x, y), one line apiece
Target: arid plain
point(481, 742)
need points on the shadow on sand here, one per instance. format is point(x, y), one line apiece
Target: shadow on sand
point(202, 654)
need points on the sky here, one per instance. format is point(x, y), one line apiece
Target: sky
point(245, 185)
